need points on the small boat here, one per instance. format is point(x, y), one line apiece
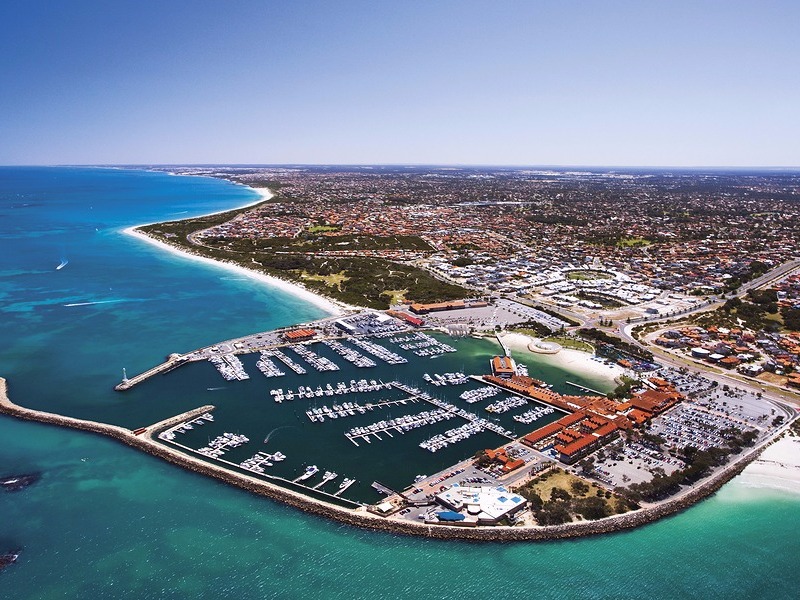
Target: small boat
point(309, 472)
point(8, 558)
point(64, 263)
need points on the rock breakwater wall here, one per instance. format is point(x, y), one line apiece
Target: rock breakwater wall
point(365, 520)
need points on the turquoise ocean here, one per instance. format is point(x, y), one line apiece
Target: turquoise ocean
point(106, 521)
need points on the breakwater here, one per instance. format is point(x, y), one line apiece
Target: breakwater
point(365, 520)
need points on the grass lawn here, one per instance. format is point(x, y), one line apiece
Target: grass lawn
point(587, 275)
point(631, 242)
point(333, 280)
point(568, 342)
point(395, 296)
point(323, 228)
point(562, 479)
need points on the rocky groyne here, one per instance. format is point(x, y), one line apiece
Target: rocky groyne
point(360, 517)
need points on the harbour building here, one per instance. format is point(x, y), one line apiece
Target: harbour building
point(481, 505)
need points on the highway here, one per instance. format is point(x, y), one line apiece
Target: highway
point(729, 378)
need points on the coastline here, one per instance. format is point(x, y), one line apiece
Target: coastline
point(330, 306)
point(567, 359)
point(778, 467)
point(142, 440)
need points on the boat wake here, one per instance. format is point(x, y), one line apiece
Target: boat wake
point(91, 303)
point(269, 435)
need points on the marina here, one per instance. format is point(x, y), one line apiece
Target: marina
point(421, 414)
point(267, 367)
point(350, 409)
point(320, 363)
point(724, 521)
point(350, 355)
point(446, 379)
point(533, 415)
point(384, 354)
point(285, 360)
point(506, 404)
point(477, 395)
point(398, 424)
point(230, 367)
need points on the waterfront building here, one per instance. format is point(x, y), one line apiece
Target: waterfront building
point(299, 335)
point(482, 505)
point(503, 367)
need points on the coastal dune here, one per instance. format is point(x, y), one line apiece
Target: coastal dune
point(329, 306)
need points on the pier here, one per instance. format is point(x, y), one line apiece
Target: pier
point(466, 415)
point(343, 487)
point(285, 360)
point(320, 363)
point(384, 354)
point(349, 409)
point(399, 424)
point(267, 367)
point(230, 367)
point(350, 355)
point(329, 476)
point(506, 349)
point(173, 361)
point(384, 489)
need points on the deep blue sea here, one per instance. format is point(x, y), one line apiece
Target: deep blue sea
point(106, 521)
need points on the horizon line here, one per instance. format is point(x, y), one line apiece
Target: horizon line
point(436, 165)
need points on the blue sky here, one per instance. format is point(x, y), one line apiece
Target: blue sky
point(560, 82)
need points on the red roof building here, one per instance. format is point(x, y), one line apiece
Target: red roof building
point(299, 335)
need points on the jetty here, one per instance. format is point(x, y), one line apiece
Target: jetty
point(350, 409)
point(383, 489)
point(173, 361)
point(267, 367)
point(329, 476)
point(285, 360)
point(399, 424)
point(344, 485)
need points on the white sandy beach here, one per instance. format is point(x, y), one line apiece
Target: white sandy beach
point(566, 358)
point(777, 468)
point(329, 306)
